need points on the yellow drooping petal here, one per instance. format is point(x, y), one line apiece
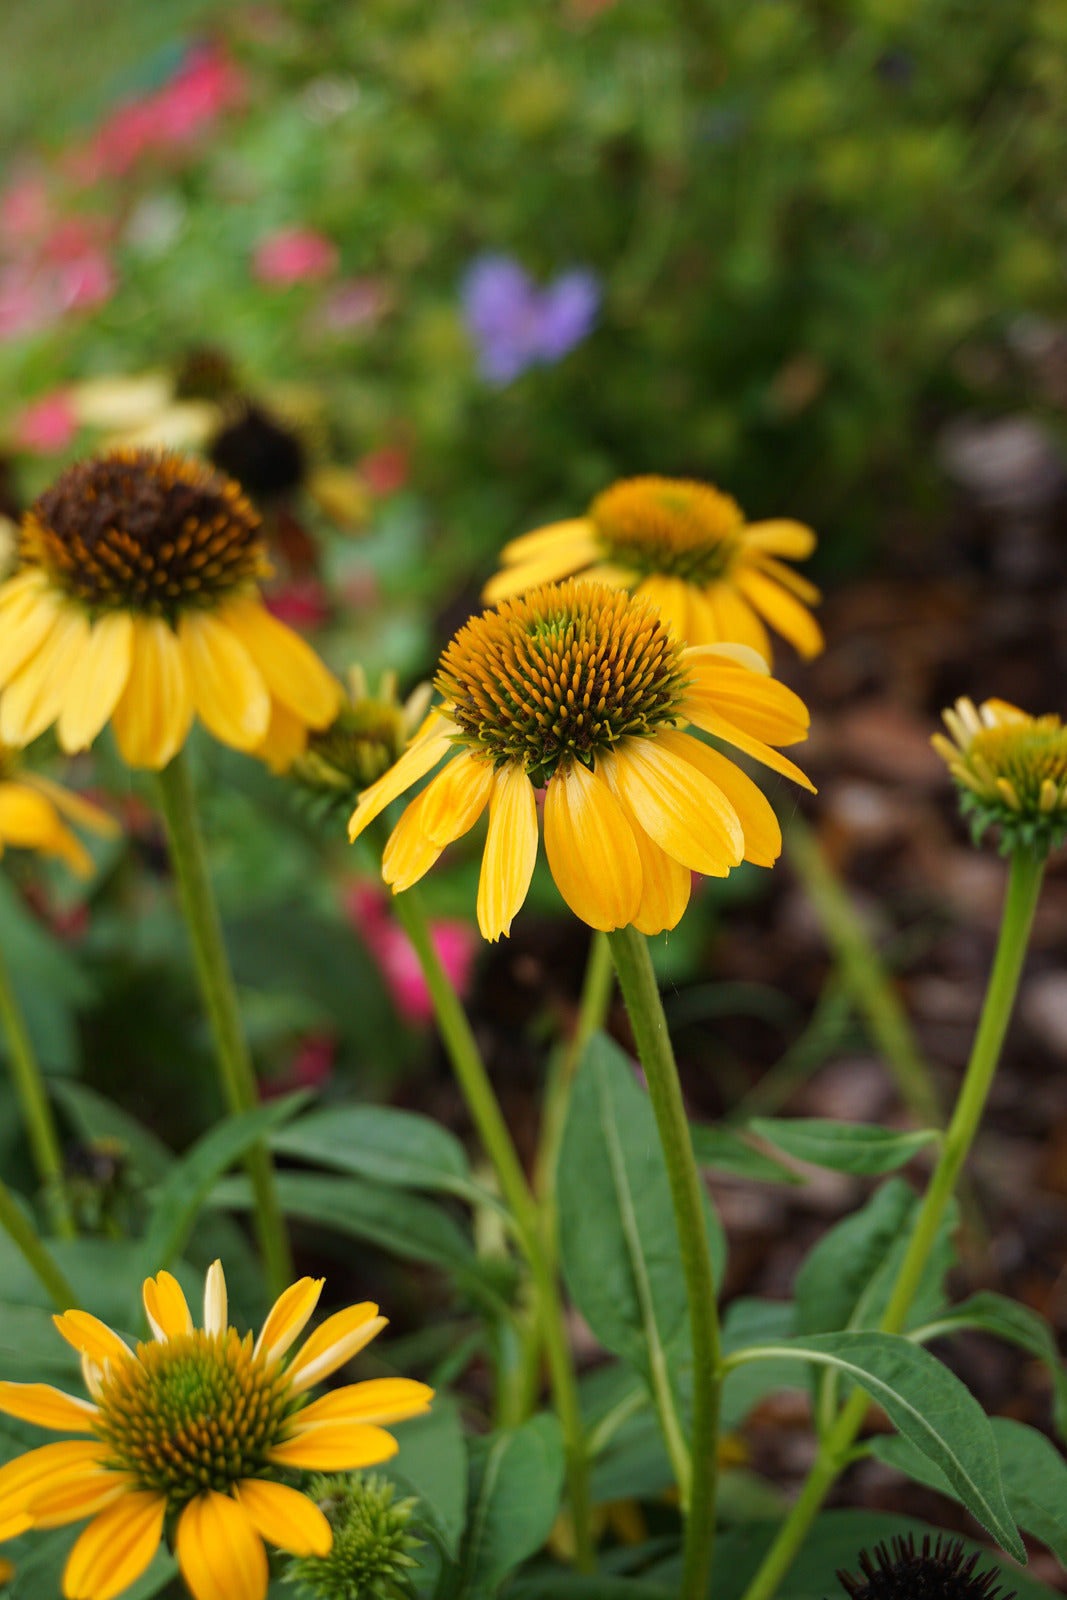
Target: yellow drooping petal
point(155, 712)
point(285, 739)
point(28, 612)
point(780, 536)
point(761, 705)
point(378, 1400)
point(225, 685)
point(77, 1498)
point(73, 805)
point(455, 799)
point(782, 610)
point(721, 728)
point(685, 814)
point(27, 819)
point(735, 620)
point(116, 1547)
point(591, 849)
point(573, 534)
point(39, 1403)
point(35, 695)
point(510, 851)
point(790, 579)
point(665, 883)
point(763, 836)
point(409, 854)
point(92, 1337)
point(432, 741)
point(288, 1317)
point(338, 1339)
point(284, 1516)
point(335, 1447)
point(289, 666)
point(50, 1466)
point(552, 562)
point(219, 1551)
point(166, 1307)
point(670, 596)
point(92, 695)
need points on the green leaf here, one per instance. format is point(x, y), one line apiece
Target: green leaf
point(432, 1464)
point(756, 1322)
point(930, 1406)
point(188, 1183)
point(1034, 1473)
point(395, 1147)
point(618, 1240)
point(30, 1346)
point(1019, 1325)
point(725, 1151)
point(855, 1147)
point(97, 1118)
point(557, 1584)
point(516, 1483)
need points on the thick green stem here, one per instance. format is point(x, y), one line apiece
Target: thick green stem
point(33, 1103)
point(637, 980)
point(26, 1239)
point(1024, 887)
point(189, 859)
point(482, 1103)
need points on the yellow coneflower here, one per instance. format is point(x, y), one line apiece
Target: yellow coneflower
point(581, 689)
point(715, 578)
point(32, 809)
point(137, 601)
point(1011, 769)
point(199, 1423)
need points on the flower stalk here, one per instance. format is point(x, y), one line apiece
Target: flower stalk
point(34, 1105)
point(641, 993)
point(1024, 888)
point(482, 1103)
point(187, 854)
point(24, 1236)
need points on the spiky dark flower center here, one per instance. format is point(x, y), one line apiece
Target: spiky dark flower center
point(143, 531)
point(261, 453)
point(908, 1574)
point(668, 527)
point(565, 671)
point(195, 1412)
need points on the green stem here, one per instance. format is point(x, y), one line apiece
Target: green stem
point(33, 1102)
point(865, 975)
point(482, 1103)
point(189, 859)
point(1024, 888)
point(637, 980)
point(26, 1239)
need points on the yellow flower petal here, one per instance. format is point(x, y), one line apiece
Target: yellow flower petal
point(763, 836)
point(287, 1317)
point(430, 743)
point(73, 805)
point(68, 1462)
point(591, 849)
point(735, 620)
point(215, 1299)
point(78, 1498)
point(284, 1516)
point(670, 596)
point(27, 819)
point(225, 685)
point(574, 533)
point(552, 563)
point(378, 1400)
point(93, 693)
point(153, 716)
point(665, 883)
point(47, 1407)
point(290, 668)
point(28, 612)
point(285, 739)
point(721, 728)
point(408, 854)
point(678, 807)
point(761, 705)
point(795, 582)
point(785, 613)
point(220, 1554)
point(35, 694)
point(456, 798)
point(510, 851)
point(780, 536)
point(116, 1547)
point(92, 1337)
point(335, 1447)
point(10, 1528)
point(338, 1339)
point(166, 1307)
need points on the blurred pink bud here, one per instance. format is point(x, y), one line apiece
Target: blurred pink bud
point(355, 302)
point(85, 281)
point(25, 209)
point(302, 603)
point(392, 952)
point(294, 255)
point(310, 1068)
point(384, 471)
point(45, 427)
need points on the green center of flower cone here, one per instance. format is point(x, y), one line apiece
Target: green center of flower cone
point(136, 530)
point(563, 672)
point(195, 1412)
point(668, 527)
point(1030, 757)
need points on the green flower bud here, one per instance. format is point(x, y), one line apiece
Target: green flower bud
point(371, 1556)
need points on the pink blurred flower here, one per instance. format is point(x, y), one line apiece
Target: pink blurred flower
point(25, 209)
point(384, 471)
point(294, 255)
point(392, 952)
point(354, 303)
point(310, 1068)
point(301, 603)
point(45, 427)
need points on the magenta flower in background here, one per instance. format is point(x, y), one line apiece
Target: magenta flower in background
point(515, 324)
point(294, 255)
point(393, 954)
point(45, 427)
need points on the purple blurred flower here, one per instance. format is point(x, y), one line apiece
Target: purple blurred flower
point(515, 325)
